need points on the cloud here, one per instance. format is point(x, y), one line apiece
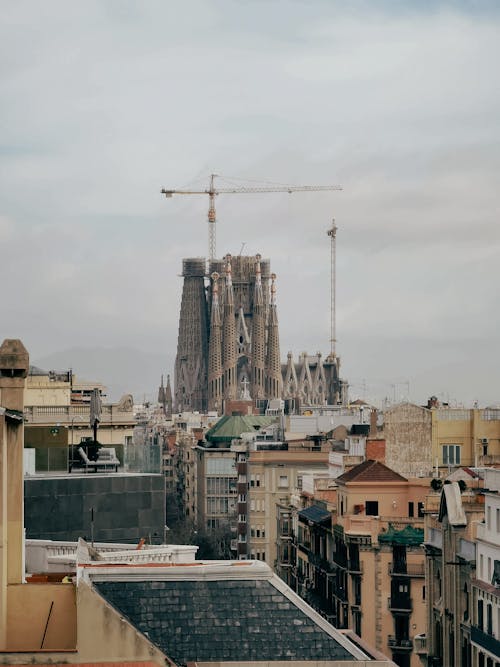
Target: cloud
point(105, 104)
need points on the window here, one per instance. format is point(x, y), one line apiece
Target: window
point(488, 517)
point(252, 505)
point(371, 507)
point(411, 510)
point(283, 481)
point(480, 614)
point(451, 455)
point(489, 619)
point(420, 509)
point(220, 466)
point(498, 520)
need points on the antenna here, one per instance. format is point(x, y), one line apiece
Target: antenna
point(332, 233)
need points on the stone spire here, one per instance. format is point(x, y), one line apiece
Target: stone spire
point(168, 399)
point(273, 364)
point(215, 366)
point(229, 352)
point(258, 337)
point(161, 392)
point(161, 395)
point(191, 378)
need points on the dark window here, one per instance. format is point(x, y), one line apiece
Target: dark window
point(371, 507)
point(420, 507)
point(411, 510)
point(480, 614)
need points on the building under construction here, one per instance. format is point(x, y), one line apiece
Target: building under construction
point(228, 345)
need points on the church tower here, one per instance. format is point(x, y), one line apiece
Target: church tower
point(215, 367)
point(274, 379)
point(228, 346)
point(258, 388)
point(191, 390)
point(229, 354)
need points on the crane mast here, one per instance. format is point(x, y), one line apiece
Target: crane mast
point(332, 233)
point(212, 192)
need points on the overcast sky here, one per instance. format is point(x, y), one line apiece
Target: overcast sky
point(103, 103)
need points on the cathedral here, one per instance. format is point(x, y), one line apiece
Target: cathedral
point(228, 344)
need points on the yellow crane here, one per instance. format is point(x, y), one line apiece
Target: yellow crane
point(212, 191)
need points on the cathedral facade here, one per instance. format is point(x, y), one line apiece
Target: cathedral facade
point(228, 344)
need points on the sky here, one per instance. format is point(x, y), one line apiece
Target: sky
point(104, 103)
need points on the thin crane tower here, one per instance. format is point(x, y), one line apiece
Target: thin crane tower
point(212, 191)
point(332, 233)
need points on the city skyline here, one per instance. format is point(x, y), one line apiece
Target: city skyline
point(104, 105)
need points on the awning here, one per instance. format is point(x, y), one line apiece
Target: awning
point(315, 514)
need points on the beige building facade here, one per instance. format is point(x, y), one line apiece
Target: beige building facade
point(57, 415)
point(273, 476)
point(361, 563)
point(465, 437)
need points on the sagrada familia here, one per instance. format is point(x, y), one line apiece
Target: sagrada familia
point(228, 345)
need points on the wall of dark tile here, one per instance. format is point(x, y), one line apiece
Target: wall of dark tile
point(126, 507)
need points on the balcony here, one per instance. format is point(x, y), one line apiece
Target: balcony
point(420, 644)
point(398, 644)
point(400, 604)
point(415, 570)
point(485, 641)
point(320, 562)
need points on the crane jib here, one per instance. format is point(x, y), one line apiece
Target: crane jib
point(212, 192)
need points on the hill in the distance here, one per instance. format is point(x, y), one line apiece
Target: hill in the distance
point(121, 370)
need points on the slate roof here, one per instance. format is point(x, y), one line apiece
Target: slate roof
point(371, 471)
point(315, 514)
point(227, 618)
point(232, 426)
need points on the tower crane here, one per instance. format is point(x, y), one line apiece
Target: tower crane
point(212, 191)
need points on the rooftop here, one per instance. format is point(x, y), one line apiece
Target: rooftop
point(371, 471)
point(220, 611)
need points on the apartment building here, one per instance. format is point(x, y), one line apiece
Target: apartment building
point(485, 628)
point(450, 553)
point(362, 565)
point(465, 437)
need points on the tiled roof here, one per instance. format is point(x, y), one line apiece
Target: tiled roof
point(230, 427)
point(226, 619)
point(371, 471)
